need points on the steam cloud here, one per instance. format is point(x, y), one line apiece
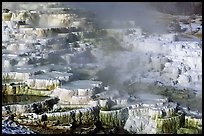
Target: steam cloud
point(121, 66)
point(144, 14)
point(118, 67)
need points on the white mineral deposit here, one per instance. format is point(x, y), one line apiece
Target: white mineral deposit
point(101, 68)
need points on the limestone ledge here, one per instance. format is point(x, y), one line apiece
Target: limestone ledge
point(114, 117)
point(179, 62)
point(48, 84)
point(34, 18)
point(37, 107)
point(62, 77)
point(147, 120)
point(77, 92)
point(71, 95)
point(193, 122)
point(15, 76)
point(189, 131)
point(82, 116)
point(138, 118)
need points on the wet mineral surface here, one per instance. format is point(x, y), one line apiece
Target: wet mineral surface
point(61, 74)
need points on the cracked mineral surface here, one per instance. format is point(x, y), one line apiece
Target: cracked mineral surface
point(62, 73)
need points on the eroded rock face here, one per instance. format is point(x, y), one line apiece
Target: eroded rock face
point(77, 92)
point(178, 62)
point(114, 118)
point(15, 76)
point(37, 107)
point(47, 84)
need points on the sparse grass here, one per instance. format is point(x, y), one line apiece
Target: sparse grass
point(198, 35)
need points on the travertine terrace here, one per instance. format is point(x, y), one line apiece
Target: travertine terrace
point(58, 53)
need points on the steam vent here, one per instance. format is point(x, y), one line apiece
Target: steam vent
point(71, 70)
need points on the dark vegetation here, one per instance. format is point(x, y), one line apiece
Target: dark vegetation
point(179, 8)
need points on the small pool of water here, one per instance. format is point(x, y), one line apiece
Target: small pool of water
point(21, 99)
point(185, 98)
point(81, 84)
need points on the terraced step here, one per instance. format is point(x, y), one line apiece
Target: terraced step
point(14, 76)
point(51, 50)
point(35, 107)
point(77, 92)
point(42, 82)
